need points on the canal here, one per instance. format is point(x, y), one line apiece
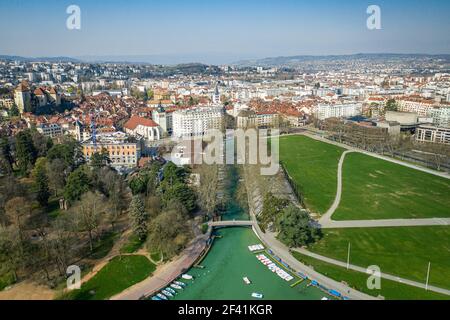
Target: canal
point(229, 260)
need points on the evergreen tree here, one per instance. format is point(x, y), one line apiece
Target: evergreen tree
point(41, 181)
point(77, 184)
point(25, 151)
point(138, 217)
point(6, 159)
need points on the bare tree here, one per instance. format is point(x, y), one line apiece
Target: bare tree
point(88, 213)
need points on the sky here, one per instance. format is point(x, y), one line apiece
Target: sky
point(221, 31)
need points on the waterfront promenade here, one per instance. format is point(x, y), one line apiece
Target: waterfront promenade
point(166, 273)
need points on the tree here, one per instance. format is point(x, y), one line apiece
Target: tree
point(272, 208)
point(100, 159)
point(6, 159)
point(138, 217)
point(69, 151)
point(17, 209)
point(14, 111)
point(391, 105)
point(25, 151)
point(207, 190)
point(62, 245)
point(11, 252)
point(181, 192)
point(77, 184)
point(41, 181)
point(294, 227)
point(168, 233)
point(56, 175)
point(88, 214)
point(116, 191)
point(41, 143)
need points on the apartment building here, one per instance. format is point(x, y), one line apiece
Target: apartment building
point(428, 133)
point(325, 111)
point(197, 121)
point(50, 129)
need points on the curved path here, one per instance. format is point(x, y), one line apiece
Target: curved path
point(326, 221)
point(360, 269)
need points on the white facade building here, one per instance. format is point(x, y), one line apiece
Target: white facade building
point(325, 111)
point(197, 121)
point(426, 133)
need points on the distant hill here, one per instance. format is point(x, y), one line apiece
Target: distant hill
point(38, 59)
point(293, 60)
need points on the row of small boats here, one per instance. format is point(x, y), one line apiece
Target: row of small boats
point(171, 290)
point(255, 247)
point(274, 268)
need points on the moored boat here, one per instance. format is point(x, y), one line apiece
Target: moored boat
point(175, 286)
point(161, 296)
point(167, 293)
point(257, 295)
point(180, 283)
point(187, 276)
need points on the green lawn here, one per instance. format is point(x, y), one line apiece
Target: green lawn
point(313, 165)
point(403, 252)
point(390, 290)
point(132, 245)
point(119, 274)
point(378, 189)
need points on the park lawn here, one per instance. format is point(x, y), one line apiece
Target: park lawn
point(313, 166)
point(378, 189)
point(120, 273)
point(399, 251)
point(390, 290)
point(132, 245)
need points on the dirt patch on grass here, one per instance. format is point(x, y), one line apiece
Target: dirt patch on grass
point(27, 291)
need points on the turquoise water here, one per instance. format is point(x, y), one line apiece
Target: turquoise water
point(229, 260)
point(234, 210)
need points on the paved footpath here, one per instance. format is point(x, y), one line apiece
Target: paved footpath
point(326, 221)
point(166, 273)
point(383, 275)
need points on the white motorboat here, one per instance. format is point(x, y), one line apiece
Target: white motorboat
point(175, 286)
point(187, 276)
point(257, 295)
point(180, 283)
point(161, 296)
point(167, 293)
point(246, 280)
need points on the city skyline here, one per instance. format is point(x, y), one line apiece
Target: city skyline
point(225, 32)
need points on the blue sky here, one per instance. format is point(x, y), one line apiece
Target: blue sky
point(216, 29)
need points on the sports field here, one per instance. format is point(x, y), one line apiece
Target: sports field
point(404, 252)
point(378, 189)
point(313, 165)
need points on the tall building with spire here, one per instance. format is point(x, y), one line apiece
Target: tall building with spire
point(216, 96)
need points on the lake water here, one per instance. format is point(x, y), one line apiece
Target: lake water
point(229, 260)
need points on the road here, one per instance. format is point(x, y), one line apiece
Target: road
point(383, 275)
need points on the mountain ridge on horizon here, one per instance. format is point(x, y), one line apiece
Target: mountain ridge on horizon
point(266, 61)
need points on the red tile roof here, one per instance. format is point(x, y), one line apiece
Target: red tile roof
point(135, 121)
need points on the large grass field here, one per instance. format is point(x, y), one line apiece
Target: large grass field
point(378, 189)
point(390, 290)
point(403, 252)
point(313, 165)
point(120, 273)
